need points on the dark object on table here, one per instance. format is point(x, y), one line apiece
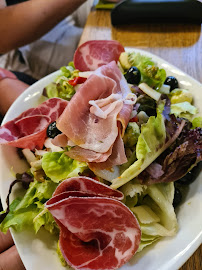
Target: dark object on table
point(155, 11)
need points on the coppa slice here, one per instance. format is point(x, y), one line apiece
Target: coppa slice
point(28, 130)
point(96, 232)
point(95, 53)
point(88, 185)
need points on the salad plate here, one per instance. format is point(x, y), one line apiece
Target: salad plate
point(38, 251)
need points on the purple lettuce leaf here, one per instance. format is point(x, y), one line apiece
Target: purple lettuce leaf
point(176, 161)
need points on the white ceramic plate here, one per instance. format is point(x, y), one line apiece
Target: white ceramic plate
point(39, 251)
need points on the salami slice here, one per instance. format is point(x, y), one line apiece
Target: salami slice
point(96, 232)
point(28, 130)
point(88, 185)
point(95, 53)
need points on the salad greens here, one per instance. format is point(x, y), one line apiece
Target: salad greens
point(60, 87)
point(181, 104)
point(61, 90)
point(152, 205)
point(131, 135)
point(150, 144)
point(197, 122)
point(156, 140)
point(58, 166)
point(183, 110)
point(151, 74)
point(28, 212)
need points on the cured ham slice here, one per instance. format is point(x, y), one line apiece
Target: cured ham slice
point(95, 53)
point(28, 130)
point(92, 117)
point(85, 155)
point(89, 186)
point(117, 157)
point(95, 232)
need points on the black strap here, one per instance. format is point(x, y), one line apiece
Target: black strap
point(13, 2)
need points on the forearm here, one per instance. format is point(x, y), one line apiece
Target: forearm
point(23, 23)
point(10, 89)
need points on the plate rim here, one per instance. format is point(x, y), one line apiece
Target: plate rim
point(197, 240)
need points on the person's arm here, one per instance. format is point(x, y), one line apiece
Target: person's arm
point(23, 23)
point(9, 257)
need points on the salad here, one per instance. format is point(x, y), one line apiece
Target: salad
point(162, 146)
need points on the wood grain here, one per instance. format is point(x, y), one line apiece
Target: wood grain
point(180, 45)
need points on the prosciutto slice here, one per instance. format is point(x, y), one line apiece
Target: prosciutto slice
point(95, 53)
point(96, 232)
point(28, 130)
point(97, 114)
point(117, 157)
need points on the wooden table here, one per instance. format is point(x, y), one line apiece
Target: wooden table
point(180, 45)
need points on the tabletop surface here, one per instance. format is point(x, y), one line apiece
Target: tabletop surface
point(180, 45)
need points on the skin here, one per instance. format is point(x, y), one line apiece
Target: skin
point(9, 258)
point(10, 89)
point(30, 20)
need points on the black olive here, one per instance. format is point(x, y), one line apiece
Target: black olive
point(191, 175)
point(52, 130)
point(177, 198)
point(172, 81)
point(133, 75)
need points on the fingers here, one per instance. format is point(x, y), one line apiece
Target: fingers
point(6, 241)
point(10, 260)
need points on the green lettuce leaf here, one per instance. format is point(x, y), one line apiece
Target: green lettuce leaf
point(179, 95)
point(44, 218)
point(62, 90)
point(151, 74)
point(147, 240)
point(37, 191)
point(151, 143)
point(131, 135)
point(58, 166)
point(153, 208)
point(27, 213)
point(19, 220)
point(183, 110)
point(197, 122)
point(161, 203)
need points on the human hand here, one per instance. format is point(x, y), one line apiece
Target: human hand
point(9, 257)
